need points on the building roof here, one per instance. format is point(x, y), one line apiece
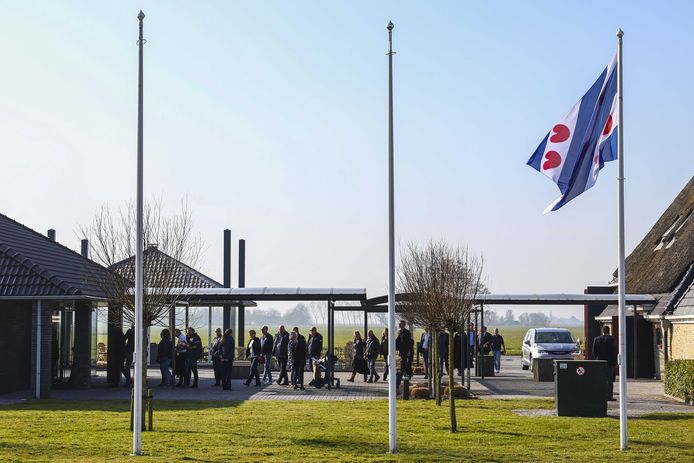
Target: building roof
point(659, 262)
point(683, 297)
point(159, 265)
point(32, 266)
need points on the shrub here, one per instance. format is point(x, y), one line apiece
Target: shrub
point(679, 379)
point(417, 392)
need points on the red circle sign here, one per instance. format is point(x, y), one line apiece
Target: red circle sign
point(580, 371)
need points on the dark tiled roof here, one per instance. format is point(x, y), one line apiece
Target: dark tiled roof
point(32, 265)
point(659, 262)
point(683, 303)
point(160, 266)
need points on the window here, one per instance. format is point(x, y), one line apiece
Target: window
point(553, 337)
point(668, 238)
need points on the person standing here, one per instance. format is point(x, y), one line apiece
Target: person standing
point(373, 349)
point(128, 350)
point(314, 349)
point(266, 345)
point(181, 358)
point(604, 348)
point(216, 355)
point(164, 357)
point(443, 339)
point(485, 342)
point(297, 353)
point(253, 352)
point(226, 358)
point(384, 352)
point(281, 352)
point(358, 362)
point(498, 349)
point(471, 343)
point(425, 342)
point(194, 354)
point(403, 344)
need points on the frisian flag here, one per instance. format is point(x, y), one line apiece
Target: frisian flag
point(577, 147)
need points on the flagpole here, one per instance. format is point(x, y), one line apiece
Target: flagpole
point(621, 273)
point(139, 357)
point(391, 255)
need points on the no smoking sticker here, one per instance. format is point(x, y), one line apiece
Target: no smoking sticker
point(580, 371)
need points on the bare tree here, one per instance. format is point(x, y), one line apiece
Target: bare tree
point(440, 283)
point(169, 245)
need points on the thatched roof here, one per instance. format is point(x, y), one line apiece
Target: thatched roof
point(662, 258)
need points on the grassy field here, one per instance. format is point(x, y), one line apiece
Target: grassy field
point(274, 431)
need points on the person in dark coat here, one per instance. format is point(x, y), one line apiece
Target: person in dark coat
point(485, 346)
point(443, 339)
point(182, 370)
point(194, 354)
point(358, 361)
point(226, 358)
point(215, 355)
point(604, 348)
point(373, 350)
point(384, 353)
point(297, 354)
point(314, 349)
point(253, 352)
point(128, 350)
point(403, 344)
point(281, 352)
point(164, 357)
point(267, 342)
point(424, 348)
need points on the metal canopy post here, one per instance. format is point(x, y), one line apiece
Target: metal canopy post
point(481, 367)
point(636, 352)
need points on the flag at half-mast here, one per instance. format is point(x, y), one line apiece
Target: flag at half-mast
point(579, 145)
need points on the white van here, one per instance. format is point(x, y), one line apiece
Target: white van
point(547, 343)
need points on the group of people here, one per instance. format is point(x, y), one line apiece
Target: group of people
point(178, 358)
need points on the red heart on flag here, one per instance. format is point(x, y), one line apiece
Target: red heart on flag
point(553, 159)
point(608, 126)
point(561, 133)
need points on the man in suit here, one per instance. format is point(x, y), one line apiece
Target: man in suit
point(253, 352)
point(485, 346)
point(280, 351)
point(298, 354)
point(314, 349)
point(604, 348)
point(215, 353)
point(227, 351)
point(403, 344)
point(129, 349)
point(443, 352)
point(266, 346)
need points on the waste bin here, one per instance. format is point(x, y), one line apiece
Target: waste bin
point(484, 366)
point(579, 387)
point(543, 370)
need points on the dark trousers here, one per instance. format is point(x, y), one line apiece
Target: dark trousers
point(610, 381)
point(125, 368)
point(282, 362)
point(298, 375)
point(425, 355)
point(405, 369)
point(192, 369)
point(226, 368)
point(218, 371)
point(181, 367)
point(253, 373)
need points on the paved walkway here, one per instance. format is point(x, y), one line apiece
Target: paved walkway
point(645, 396)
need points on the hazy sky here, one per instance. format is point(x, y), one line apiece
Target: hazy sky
point(272, 118)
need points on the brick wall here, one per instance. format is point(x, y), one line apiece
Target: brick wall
point(15, 344)
point(46, 347)
point(682, 341)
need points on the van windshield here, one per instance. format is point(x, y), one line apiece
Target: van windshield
point(550, 337)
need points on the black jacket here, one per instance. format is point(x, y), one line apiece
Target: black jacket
point(194, 346)
point(604, 348)
point(443, 345)
point(358, 349)
point(280, 349)
point(227, 349)
point(315, 345)
point(216, 348)
point(373, 348)
point(253, 348)
point(165, 349)
point(297, 352)
point(384, 346)
point(403, 343)
point(266, 343)
point(485, 345)
point(129, 340)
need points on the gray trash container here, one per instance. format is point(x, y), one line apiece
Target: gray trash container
point(579, 387)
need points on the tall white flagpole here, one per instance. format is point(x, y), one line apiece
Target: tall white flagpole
point(391, 255)
point(139, 270)
point(621, 273)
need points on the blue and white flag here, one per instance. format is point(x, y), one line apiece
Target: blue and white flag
point(577, 147)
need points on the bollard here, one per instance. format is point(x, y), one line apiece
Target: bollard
point(150, 408)
point(405, 389)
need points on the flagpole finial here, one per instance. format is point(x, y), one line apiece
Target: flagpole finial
point(620, 33)
point(390, 26)
point(141, 16)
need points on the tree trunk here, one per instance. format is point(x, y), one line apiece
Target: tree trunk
point(451, 383)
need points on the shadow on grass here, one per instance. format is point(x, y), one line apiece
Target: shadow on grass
point(116, 405)
point(668, 416)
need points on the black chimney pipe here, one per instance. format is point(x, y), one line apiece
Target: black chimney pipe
point(51, 234)
point(226, 309)
point(85, 248)
point(242, 284)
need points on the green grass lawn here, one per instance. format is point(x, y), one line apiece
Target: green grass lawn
point(274, 431)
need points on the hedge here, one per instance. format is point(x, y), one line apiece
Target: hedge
point(679, 379)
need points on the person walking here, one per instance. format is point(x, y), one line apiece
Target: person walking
point(373, 349)
point(384, 352)
point(281, 352)
point(266, 345)
point(215, 354)
point(403, 344)
point(226, 358)
point(498, 349)
point(358, 361)
point(253, 352)
point(194, 354)
point(485, 346)
point(425, 342)
point(297, 356)
point(164, 357)
point(128, 350)
point(604, 348)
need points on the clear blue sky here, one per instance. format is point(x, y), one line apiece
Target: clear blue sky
point(271, 117)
